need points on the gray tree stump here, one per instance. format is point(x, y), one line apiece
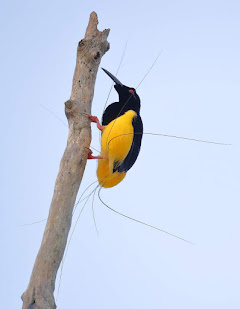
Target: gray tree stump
point(39, 293)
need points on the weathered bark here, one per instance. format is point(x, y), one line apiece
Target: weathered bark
point(39, 293)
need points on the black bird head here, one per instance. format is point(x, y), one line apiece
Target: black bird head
point(128, 96)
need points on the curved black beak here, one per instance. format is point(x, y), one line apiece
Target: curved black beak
point(113, 77)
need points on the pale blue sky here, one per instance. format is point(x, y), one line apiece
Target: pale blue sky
point(189, 189)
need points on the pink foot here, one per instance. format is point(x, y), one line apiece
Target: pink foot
point(90, 156)
point(95, 119)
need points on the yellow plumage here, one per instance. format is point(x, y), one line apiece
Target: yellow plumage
point(117, 138)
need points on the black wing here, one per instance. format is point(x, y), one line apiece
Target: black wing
point(135, 148)
point(111, 112)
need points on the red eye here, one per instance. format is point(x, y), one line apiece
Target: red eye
point(130, 91)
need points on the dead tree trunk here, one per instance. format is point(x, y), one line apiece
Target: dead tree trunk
point(39, 293)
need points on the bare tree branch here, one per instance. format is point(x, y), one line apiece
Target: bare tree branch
point(39, 293)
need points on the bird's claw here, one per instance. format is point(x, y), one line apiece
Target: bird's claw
point(96, 120)
point(90, 156)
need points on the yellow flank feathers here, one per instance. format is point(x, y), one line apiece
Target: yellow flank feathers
point(116, 142)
